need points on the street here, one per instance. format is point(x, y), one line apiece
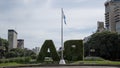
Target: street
point(73, 67)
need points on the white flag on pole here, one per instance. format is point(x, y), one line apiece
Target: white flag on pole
point(63, 16)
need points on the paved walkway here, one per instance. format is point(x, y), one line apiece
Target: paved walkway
point(73, 67)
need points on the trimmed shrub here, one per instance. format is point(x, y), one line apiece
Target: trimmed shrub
point(48, 44)
point(93, 59)
point(73, 50)
point(17, 60)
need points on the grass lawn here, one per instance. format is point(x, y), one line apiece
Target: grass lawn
point(98, 62)
point(9, 64)
point(78, 62)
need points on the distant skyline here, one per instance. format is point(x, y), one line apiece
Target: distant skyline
point(38, 20)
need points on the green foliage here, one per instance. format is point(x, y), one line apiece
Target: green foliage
point(105, 62)
point(3, 47)
point(93, 59)
point(29, 53)
point(9, 64)
point(17, 52)
point(33, 56)
point(73, 50)
point(48, 44)
point(11, 54)
point(106, 45)
point(17, 60)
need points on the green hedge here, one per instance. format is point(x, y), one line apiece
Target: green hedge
point(90, 58)
point(17, 60)
point(48, 44)
point(73, 50)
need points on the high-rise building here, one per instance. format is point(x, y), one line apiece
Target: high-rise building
point(112, 15)
point(12, 39)
point(100, 26)
point(20, 43)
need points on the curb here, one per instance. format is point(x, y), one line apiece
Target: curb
point(59, 65)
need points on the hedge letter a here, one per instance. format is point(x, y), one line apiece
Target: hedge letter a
point(48, 45)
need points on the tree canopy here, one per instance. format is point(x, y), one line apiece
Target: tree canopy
point(105, 44)
point(3, 47)
point(17, 52)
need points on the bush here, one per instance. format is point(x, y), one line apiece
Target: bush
point(27, 59)
point(17, 52)
point(33, 56)
point(22, 60)
point(17, 60)
point(93, 59)
point(2, 60)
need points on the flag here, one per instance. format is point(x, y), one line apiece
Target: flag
point(63, 16)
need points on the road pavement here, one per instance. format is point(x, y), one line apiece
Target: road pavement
point(73, 67)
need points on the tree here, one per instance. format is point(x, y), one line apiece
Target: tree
point(28, 53)
point(3, 47)
point(106, 45)
point(17, 52)
point(11, 54)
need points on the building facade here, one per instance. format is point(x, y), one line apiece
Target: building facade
point(112, 15)
point(20, 43)
point(12, 39)
point(100, 26)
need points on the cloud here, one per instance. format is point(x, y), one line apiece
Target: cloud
point(38, 20)
point(77, 3)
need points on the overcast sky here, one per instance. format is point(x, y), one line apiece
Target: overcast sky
point(38, 20)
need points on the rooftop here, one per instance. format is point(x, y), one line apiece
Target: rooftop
point(115, 0)
point(12, 30)
point(20, 39)
point(108, 1)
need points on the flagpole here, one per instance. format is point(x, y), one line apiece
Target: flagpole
point(62, 45)
point(62, 61)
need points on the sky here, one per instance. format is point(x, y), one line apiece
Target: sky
point(38, 20)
